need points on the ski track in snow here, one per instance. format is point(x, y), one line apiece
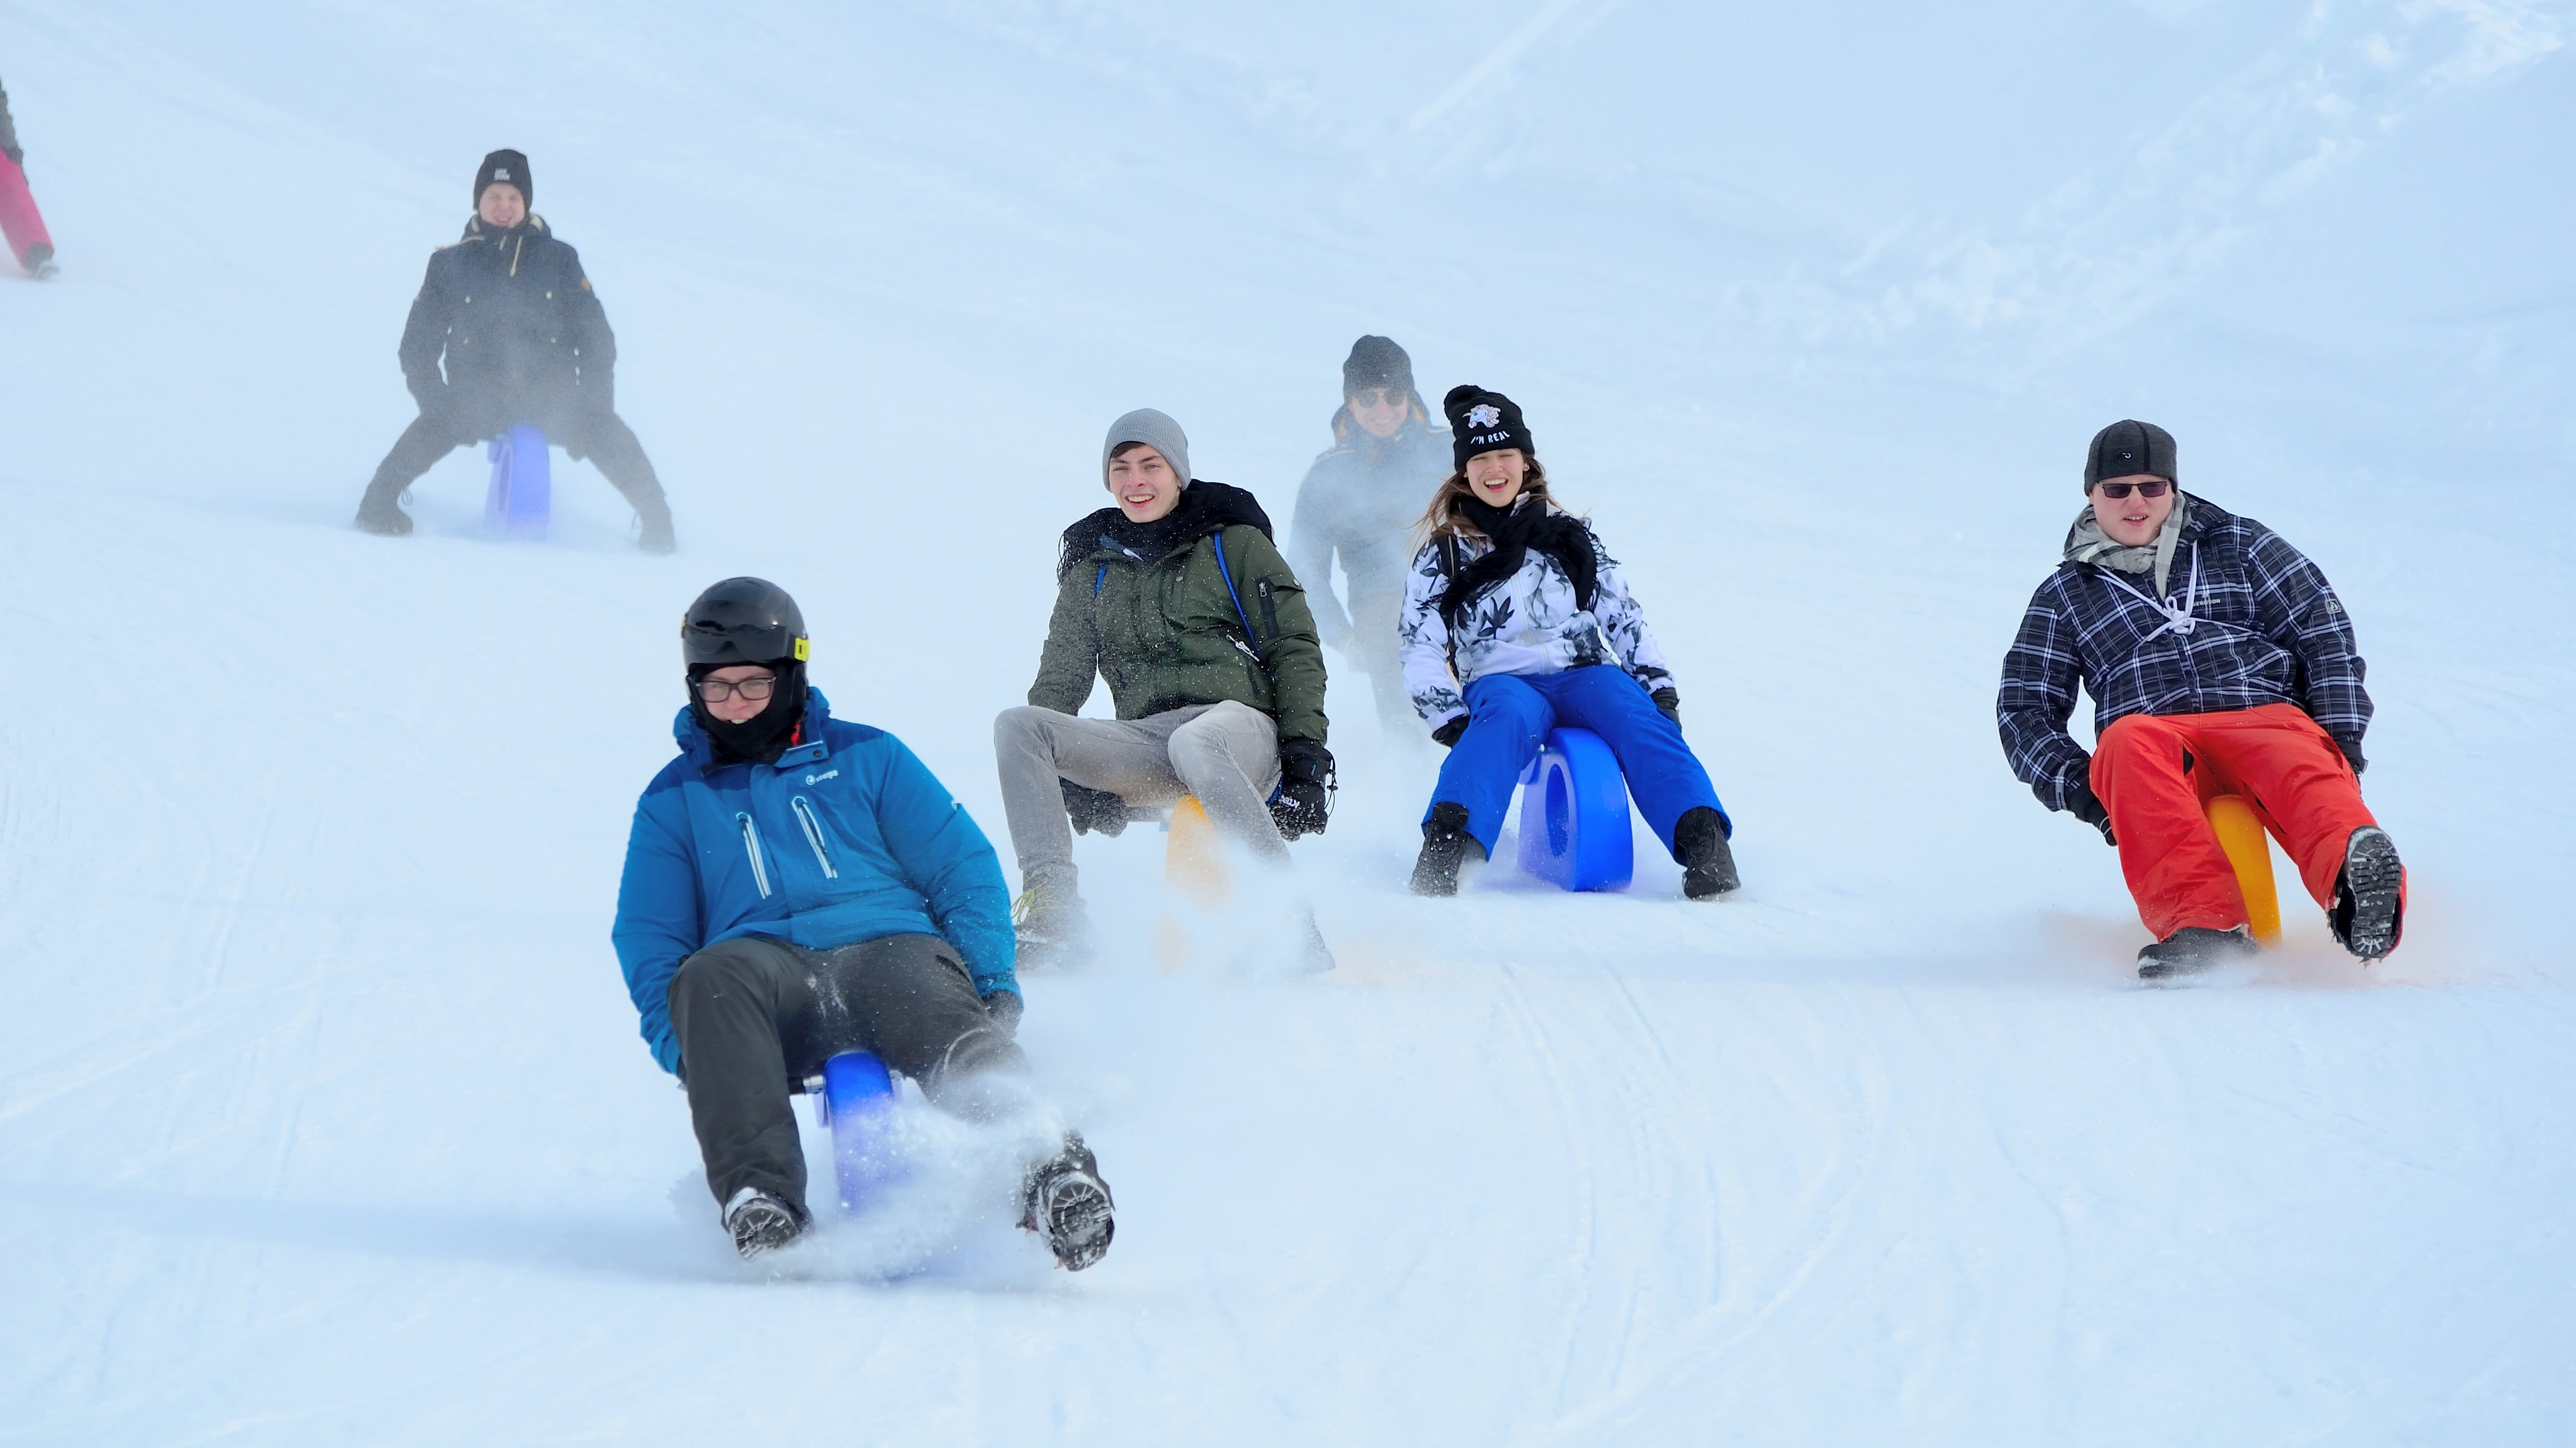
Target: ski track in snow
point(322, 1115)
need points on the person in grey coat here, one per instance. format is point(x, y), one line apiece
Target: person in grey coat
point(1359, 502)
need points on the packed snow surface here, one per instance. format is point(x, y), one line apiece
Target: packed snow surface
point(322, 1112)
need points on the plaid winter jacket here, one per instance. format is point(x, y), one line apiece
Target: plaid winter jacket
point(2247, 621)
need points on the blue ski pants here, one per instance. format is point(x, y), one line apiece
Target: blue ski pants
point(1509, 715)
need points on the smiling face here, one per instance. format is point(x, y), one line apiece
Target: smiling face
point(1143, 483)
point(1380, 411)
point(2133, 521)
point(1496, 477)
point(734, 708)
point(501, 206)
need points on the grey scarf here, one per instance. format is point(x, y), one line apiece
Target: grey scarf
point(2087, 543)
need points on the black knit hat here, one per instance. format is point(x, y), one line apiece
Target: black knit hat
point(2126, 447)
point(1376, 362)
point(1482, 422)
point(505, 167)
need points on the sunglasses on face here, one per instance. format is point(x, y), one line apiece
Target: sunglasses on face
point(2117, 491)
point(716, 691)
point(1377, 397)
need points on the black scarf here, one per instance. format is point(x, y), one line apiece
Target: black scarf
point(1560, 536)
point(764, 736)
point(1203, 509)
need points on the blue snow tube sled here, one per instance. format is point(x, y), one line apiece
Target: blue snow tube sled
point(522, 484)
point(857, 1102)
point(1574, 814)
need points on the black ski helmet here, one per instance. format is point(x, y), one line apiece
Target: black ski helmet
point(742, 621)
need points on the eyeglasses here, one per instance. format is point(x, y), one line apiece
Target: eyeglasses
point(1379, 397)
point(716, 691)
point(2116, 491)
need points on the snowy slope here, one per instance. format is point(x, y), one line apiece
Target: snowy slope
point(322, 1117)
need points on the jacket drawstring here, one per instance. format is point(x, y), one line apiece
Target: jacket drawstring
point(2177, 618)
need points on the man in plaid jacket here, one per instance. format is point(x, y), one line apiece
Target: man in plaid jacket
point(2220, 662)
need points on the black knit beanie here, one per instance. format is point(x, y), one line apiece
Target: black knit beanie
point(1376, 362)
point(2129, 446)
point(1481, 422)
point(505, 167)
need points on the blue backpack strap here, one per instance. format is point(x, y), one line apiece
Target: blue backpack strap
point(1099, 579)
point(1217, 540)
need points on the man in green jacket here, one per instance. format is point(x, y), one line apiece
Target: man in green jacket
point(1178, 598)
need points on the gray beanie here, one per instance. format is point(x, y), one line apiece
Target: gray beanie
point(1155, 430)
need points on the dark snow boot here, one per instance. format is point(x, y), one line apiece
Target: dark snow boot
point(760, 1222)
point(1445, 843)
point(2193, 949)
point(653, 519)
point(382, 514)
point(2368, 914)
point(1708, 866)
point(1066, 1202)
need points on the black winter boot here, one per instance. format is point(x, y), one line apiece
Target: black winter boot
point(381, 512)
point(1065, 1201)
point(655, 535)
point(760, 1222)
point(1445, 843)
point(2368, 915)
point(2193, 949)
point(1708, 866)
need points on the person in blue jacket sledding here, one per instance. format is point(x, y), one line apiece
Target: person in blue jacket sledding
point(798, 885)
point(1515, 621)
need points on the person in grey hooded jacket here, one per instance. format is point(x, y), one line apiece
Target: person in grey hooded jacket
point(1359, 502)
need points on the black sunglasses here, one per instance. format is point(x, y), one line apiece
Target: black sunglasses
point(2116, 491)
point(1379, 397)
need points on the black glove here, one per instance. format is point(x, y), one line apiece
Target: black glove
point(1670, 701)
point(1094, 809)
point(1004, 1007)
point(2350, 744)
point(2082, 803)
point(1306, 782)
point(1446, 736)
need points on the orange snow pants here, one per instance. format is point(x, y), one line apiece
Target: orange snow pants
point(2157, 775)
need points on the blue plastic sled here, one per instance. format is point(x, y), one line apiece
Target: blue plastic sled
point(1574, 815)
point(857, 1102)
point(522, 485)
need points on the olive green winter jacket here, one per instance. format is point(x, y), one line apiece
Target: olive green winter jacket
point(1166, 632)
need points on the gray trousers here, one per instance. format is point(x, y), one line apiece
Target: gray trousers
point(1226, 754)
point(755, 1016)
point(1373, 646)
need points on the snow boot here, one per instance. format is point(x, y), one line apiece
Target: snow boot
point(1445, 846)
point(1313, 955)
point(1051, 924)
point(653, 533)
point(382, 515)
point(2369, 913)
point(2192, 949)
point(1708, 866)
point(1065, 1201)
point(760, 1222)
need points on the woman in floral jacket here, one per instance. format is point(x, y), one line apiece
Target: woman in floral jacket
point(1515, 621)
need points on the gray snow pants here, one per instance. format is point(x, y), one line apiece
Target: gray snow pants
point(602, 437)
point(756, 1016)
point(1226, 754)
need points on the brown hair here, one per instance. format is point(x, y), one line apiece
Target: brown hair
point(1441, 518)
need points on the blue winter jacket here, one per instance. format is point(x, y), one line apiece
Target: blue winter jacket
point(847, 838)
point(2264, 628)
